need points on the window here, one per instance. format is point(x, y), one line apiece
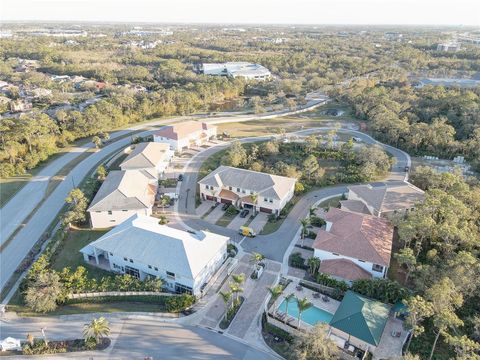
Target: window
point(111, 254)
point(125, 259)
point(335, 254)
point(229, 188)
point(156, 269)
point(244, 191)
point(131, 261)
point(113, 220)
point(170, 275)
point(238, 189)
point(251, 192)
point(109, 212)
point(124, 210)
point(361, 260)
point(265, 199)
point(132, 271)
point(377, 268)
point(270, 200)
point(149, 266)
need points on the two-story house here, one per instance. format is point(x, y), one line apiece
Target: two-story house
point(354, 246)
point(123, 194)
point(247, 189)
point(150, 156)
point(144, 249)
point(185, 135)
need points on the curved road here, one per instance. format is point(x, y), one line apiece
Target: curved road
point(274, 246)
point(15, 246)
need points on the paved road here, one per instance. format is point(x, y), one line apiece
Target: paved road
point(15, 251)
point(138, 337)
point(274, 246)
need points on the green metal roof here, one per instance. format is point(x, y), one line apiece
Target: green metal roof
point(361, 317)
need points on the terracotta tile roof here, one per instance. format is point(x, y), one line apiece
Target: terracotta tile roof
point(183, 130)
point(344, 269)
point(357, 236)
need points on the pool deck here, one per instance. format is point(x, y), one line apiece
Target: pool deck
point(331, 306)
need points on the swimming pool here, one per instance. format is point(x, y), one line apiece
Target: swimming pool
point(312, 315)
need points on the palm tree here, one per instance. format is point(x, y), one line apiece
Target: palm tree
point(256, 258)
point(313, 264)
point(303, 304)
point(288, 299)
point(239, 278)
point(235, 289)
point(311, 211)
point(97, 329)
point(254, 198)
point(304, 222)
point(226, 296)
point(275, 292)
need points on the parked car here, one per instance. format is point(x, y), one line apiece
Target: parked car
point(225, 206)
point(356, 139)
point(244, 213)
point(180, 177)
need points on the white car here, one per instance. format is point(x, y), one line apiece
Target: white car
point(10, 343)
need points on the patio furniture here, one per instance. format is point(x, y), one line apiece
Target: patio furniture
point(299, 288)
point(396, 333)
point(325, 298)
point(316, 295)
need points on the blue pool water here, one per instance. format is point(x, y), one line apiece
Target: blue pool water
point(312, 315)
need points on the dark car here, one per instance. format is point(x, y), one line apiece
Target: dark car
point(180, 177)
point(244, 213)
point(225, 206)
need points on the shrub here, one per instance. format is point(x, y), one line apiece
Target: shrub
point(232, 210)
point(179, 303)
point(326, 280)
point(39, 347)
point(297, 261)
point(272, 218)
point(384, 290)
point(317, 221)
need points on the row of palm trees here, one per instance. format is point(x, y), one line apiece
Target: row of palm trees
point(302, 304)
point(231, 298)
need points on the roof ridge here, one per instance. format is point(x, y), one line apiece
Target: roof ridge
point(368, 240)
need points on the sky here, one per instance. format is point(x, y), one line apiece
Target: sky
point(394, 12)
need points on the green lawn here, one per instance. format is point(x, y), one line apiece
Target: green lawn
point(69, 254)
point(271, 227)
point(210, 164)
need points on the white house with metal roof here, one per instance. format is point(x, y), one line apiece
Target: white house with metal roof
point(144, 249)
point(150, 156)
point(241, 69)
point(122, 194)
point(247, 189)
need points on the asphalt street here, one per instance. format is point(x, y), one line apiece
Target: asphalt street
point(137, 338)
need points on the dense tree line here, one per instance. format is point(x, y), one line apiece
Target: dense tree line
point(429, 120)
point(440, 243)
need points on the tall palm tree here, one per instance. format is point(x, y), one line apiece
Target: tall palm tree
point(275, 292)
point(239, 278)
point(226, 296)
point(303, 304)
point(235, 289)
point(288, 299)
point(311, 211)
point(254, 198)
point(97, 329)
point(313, 264)
point(304, 222)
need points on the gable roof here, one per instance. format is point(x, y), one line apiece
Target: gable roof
point(361, 317)
point(266, 185)
point(358, 236)
point(142, 239)
point(183, 130)
point(146, 155)
point(125, 190)
point(389, 198)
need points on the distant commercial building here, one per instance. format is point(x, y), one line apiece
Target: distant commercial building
point(447, 82)
point(185, 135)
point(142, 248)
point(244, 70)
point(393, 35)
point(449, 47)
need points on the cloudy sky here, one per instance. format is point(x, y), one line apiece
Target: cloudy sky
point(451, 12)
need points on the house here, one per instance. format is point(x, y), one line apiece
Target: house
point(185, 135)
point(142, 248)
point(353, 246)
point(359, 322)
point(382, 200)
point(449, 47)
point(247, 189)
point(244, 70)
point(123, 194)
point(149, 156)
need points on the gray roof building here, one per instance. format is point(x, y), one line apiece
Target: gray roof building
point(146, 155)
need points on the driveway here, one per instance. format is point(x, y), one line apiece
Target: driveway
point(237, 222)
point(259, 222)
point(215, 215)
point(204, 207)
